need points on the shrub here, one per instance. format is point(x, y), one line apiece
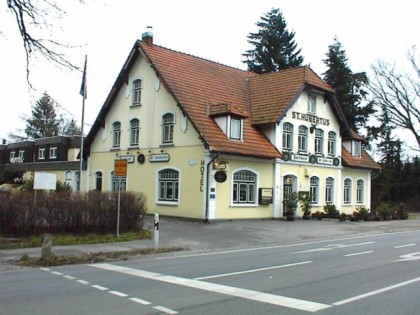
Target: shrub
point(305, 203)
point(331, 211)
point(27, 213)
point(384, 211)
point(362, 213)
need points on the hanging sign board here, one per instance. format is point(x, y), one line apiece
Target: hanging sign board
point(120, 167)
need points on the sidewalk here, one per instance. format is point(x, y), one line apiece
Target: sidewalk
point(196, 235)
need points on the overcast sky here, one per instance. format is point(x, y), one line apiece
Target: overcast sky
point(216, 30)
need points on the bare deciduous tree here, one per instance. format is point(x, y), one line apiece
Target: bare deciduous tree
point(399, 93)
point(32, 19)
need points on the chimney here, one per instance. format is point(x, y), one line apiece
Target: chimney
point(147, 37)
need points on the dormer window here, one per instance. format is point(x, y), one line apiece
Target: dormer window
point(136, 92)
point(311, 103)
point(357, 148)
point(235, 128)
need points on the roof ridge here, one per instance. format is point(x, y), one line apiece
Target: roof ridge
point(194, 56)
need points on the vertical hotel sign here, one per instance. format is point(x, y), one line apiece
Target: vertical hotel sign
point(120, 167)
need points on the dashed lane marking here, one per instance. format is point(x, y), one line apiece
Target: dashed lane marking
point(219, 289)
point(359, 253)
point(117, 293)
point(406, 245)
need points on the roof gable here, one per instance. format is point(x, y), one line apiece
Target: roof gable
point(273, 93)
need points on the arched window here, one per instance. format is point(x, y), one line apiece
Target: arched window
point(168, 128)
point(303, 139)
point(319, 139)
point(118, 182)
point(347, 190)
point(168, 185)
point(69, 179)
point(329, 190)
point(77, 175)
point(331, 143)
point(287, 136)
point(136, 92)
point(116, 134)
point(134, 132)
point(244, 187)
point(98, 181)
point(314, 189)
point(360, 191)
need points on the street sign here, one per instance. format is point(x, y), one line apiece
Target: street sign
point(120, 167)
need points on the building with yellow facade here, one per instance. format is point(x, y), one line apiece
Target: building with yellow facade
point(206, 141)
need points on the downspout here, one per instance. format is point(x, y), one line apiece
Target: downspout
point(206, 219)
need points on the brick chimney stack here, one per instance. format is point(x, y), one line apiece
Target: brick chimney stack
point(147, 37)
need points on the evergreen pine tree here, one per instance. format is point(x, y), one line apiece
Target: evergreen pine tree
point(274, 46)
point(349, 86)
point(43, 122)
point(70, 128)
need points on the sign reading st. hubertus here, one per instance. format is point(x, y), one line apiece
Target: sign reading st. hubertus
point(120, 167)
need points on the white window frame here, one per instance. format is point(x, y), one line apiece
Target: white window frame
point(244, 180)
point(168, 127)
point(168, 183)
point(314, 189)
point(311, 103)
point(137, 87)
point(41, 154)
point(287, 136)
point(12, 156)
point(69, 179)
point(303, 139)
point(347, 189)
point(360, 191)
point(116, 134)
point(235, 131)
point(319, 140)
point(134, 132)
point(332, 140)
point(357, 148)
point(53, 152)
point(117, 180)
point(329, 190)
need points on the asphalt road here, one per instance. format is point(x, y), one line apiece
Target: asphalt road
point(370, 274)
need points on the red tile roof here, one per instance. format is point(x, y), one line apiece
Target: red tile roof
point(272, 93)
point(196, 83)
point(365, 161)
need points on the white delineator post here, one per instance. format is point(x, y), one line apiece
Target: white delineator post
point(156, 231)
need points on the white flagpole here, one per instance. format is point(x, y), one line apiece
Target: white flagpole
point(83, 93)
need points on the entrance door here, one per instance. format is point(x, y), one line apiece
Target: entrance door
point(289, 184)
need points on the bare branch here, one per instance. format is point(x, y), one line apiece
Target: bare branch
point(29, 18)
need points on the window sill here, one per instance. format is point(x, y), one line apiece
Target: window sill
point(244, 205)
point(133, 147)
point(167, 203)
point(135, 105)
point(166, 145)
point(115, 149)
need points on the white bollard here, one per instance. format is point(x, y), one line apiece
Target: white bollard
point(156, 231)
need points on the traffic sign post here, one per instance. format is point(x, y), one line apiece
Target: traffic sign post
point(120, 170)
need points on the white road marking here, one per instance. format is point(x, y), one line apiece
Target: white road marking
point(407, 245)
point(362, 296)
point(409, 257)
point(140, 301)
point(220, 289)
point(69, 277)
point(118, 293)
point(359, 253)
point(56, 273)
point(83, 282)
point(99, 287)
point(45, 269)
point(252, 270)
point(332, 247)
point(165, 309)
